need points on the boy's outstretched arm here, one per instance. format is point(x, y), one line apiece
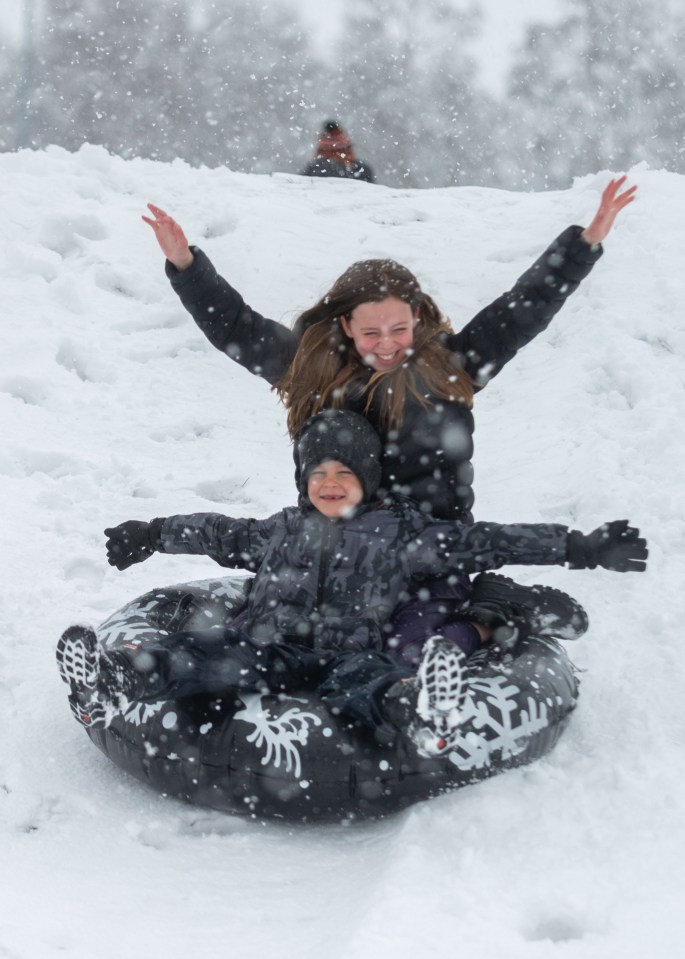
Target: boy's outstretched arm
point(235, 543)
point(443, 548)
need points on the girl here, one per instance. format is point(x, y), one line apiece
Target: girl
point(378, 345)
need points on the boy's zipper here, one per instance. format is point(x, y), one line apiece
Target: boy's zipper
point(326, 548)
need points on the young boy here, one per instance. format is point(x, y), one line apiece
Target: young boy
point(328, 576)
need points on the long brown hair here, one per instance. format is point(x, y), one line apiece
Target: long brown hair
point(327, 364)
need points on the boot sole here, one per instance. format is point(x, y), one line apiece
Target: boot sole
point(442, 685)
point(77, 662)
point(77, 657)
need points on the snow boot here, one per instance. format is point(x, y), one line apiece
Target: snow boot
point(100, 684)
point(515, 612)
point(429, 705)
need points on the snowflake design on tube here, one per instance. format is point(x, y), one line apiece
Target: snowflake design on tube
point(141, 713)
point(281, 736)
point(497, 723)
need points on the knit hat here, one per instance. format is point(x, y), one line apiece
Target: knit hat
point(343, 436)
point(333, 142)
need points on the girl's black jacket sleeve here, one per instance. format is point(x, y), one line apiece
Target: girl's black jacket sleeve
point(263, 346)
point(494, 335)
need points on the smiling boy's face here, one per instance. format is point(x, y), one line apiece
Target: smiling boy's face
point(334, 489)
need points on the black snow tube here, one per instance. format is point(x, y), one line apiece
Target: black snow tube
point(271, 757)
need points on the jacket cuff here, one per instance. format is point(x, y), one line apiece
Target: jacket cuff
point(578, 249)
point(579, 551)
point(155, 533)
point(180, 278)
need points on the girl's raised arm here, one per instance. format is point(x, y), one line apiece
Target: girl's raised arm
point(611, 204)
point(170, 237)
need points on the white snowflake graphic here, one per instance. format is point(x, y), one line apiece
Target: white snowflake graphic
point(497, 711)
point(282, 736)
point(141, 713)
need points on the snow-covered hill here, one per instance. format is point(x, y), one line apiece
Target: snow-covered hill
point(113, 406)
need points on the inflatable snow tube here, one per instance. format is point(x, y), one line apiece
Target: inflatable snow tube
point(272, 757)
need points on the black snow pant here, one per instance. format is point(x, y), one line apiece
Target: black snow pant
point(214, 661)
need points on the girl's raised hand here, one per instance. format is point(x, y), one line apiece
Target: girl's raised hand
point(170, 237)
point(610, 206)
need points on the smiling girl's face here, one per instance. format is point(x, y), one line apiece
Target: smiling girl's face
point(383, 332)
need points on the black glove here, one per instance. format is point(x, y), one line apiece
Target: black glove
point(132, 542)
point(614, 546)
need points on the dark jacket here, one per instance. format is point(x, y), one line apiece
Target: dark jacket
point(328, 167)
point(430, 457)
point(334, 584)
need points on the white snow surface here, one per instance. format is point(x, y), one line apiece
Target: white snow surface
point(115, 407)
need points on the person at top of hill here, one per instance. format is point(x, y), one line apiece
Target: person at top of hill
point(328, 575)
point(377, 344)
point(335, 156)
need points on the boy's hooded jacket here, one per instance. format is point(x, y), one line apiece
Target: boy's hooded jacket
point(334, 584)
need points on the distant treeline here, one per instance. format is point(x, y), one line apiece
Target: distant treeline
point(242, 86)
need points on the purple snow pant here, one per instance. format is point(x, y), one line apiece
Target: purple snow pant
point(436, 608)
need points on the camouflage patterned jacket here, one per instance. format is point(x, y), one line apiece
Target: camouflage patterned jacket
point(335, 584)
